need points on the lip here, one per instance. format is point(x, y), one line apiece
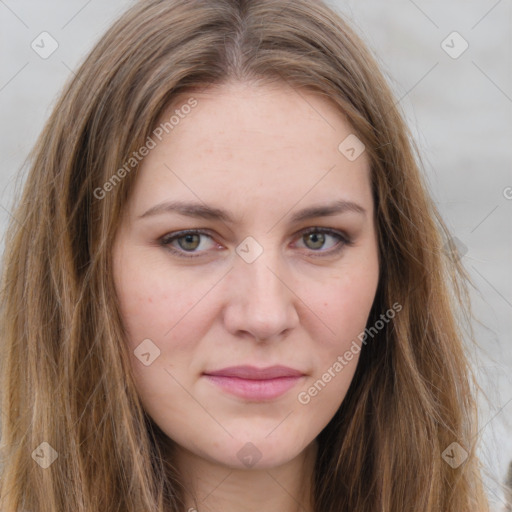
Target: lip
point(256, 384)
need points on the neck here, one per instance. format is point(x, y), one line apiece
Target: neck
point(212, 487)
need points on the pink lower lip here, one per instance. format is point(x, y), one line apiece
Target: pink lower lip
point(255, 389)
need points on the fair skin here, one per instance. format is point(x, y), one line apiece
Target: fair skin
point(261, 154)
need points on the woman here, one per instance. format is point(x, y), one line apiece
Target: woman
point(227, 286)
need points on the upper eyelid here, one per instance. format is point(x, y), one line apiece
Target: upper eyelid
point(172, 236)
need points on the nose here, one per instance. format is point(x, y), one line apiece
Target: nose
point(261, 301)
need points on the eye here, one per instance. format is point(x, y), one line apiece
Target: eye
point(323, 240)
point(195, 242)
point(190, 241)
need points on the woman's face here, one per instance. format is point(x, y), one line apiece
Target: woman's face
point(238, 331)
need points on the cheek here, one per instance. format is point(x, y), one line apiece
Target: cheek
point(152, 309)
point(173, 321)
point(343, 302)
point(344, 305)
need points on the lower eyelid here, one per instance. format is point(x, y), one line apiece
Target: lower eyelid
point(341, 237)
point(166, 241)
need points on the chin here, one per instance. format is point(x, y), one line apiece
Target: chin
point(258, 453)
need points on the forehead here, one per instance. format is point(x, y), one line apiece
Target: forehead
point(244, 142)
point(276, 115)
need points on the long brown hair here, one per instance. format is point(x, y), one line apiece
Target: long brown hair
point(66, 384)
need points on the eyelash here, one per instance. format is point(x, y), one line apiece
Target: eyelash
point(167, 239)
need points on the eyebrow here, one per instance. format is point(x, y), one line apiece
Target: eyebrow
point(203, 211)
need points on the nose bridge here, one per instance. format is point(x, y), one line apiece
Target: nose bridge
point(261, 276)
point(264, 304)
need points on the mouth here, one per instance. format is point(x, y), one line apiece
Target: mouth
point(255, 384)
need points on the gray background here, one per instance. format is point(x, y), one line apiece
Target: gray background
point(459, 109)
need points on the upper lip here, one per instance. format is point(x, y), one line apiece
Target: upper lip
point(251, 372)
